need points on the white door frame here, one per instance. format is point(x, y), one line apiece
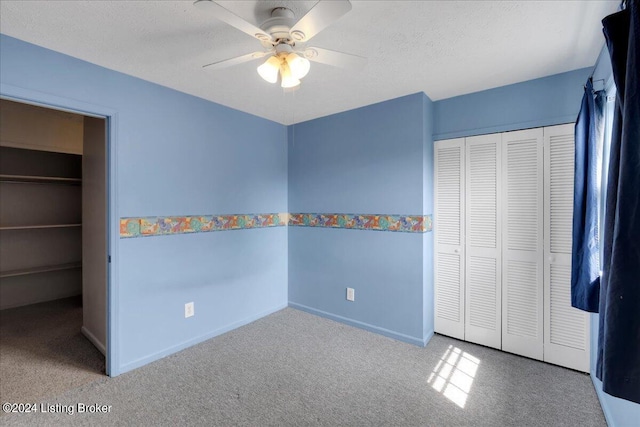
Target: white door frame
point(28, 96)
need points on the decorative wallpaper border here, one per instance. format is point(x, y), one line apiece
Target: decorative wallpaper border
point(166, 225)
point(401, 223)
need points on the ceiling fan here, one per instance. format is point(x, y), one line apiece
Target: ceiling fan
point(284, 40)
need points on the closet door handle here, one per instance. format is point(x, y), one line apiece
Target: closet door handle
point(456, 251)
point(552, 258)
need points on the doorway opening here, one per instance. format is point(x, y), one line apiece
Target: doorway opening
point(53, 250)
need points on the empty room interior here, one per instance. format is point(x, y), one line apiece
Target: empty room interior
point(334, 212)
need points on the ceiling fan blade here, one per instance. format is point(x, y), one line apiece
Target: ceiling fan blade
point(323, 14)
point(337, 59)
point(232, 19)
point(234, 61)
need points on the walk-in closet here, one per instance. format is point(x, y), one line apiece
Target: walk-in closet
point(53, 249)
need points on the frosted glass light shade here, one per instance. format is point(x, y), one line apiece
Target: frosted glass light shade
point(299, 66)
point(269, 70)
point(288, 79)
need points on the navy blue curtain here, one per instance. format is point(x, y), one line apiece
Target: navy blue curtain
point(585, 258)
point(618, 364)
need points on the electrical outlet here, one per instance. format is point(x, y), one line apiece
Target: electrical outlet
point(351, 294)
point(189, 310)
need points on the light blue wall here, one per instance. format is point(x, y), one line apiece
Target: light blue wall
point(427, 208)
point(176, 155)
point(546, 101)
point(365, 161)
point(232, 276)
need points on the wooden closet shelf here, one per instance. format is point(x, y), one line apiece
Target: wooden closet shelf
point(43, 269)
point(33, 227)
point(40, 179)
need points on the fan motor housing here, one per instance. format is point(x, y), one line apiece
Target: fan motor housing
point(279, 25)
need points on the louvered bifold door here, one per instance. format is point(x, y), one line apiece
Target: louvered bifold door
point(566, 329)
point(522, 246)
point(482, 238)
point(449, 237)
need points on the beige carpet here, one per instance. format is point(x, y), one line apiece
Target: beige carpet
point(43, 353)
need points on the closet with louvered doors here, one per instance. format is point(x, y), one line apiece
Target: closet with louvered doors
point(467, 239)
point(566, 329)
point(449, 167)
point(503, 219)
point(483, 290)
point(522, 299)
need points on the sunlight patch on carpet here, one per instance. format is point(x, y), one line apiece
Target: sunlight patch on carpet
point(454, 374)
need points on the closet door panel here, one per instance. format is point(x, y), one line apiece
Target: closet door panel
point(522, 268)
point(482, 228)
point(449, 237)
point(566, 329)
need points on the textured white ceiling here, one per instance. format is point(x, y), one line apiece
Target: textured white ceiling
point(443, 48)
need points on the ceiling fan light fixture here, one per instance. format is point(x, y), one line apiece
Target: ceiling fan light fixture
point(288, 80)
point(269, 70)
point(278, 36)
point(299, 66)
